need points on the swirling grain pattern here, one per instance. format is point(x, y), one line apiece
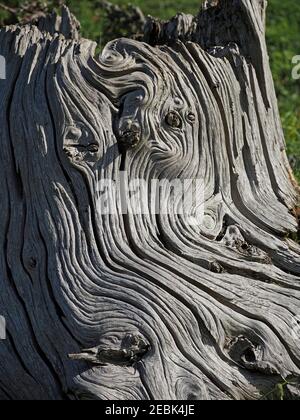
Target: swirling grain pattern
point(164, 308)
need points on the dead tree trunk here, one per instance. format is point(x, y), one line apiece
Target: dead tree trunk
point(168, 309)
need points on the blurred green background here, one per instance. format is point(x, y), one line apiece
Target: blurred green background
point(283, 36)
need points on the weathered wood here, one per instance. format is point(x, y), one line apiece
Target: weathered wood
point(167, 309)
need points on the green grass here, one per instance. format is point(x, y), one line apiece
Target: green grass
point(283, 28)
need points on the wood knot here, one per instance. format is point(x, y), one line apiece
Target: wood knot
point(79, 152)
point(131, 350)
point(216, 267)
point(173, 119)
point(191, 117)
point(93, 148)
point(130, 138)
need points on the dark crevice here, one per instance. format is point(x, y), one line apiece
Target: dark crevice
point(55, 142)
point(143, 379)
point(17, 178)
point(225, 225)
point(22, 229)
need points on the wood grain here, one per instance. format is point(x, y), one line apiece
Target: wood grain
point(164, 309)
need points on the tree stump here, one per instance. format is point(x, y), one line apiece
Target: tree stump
point(165, 308)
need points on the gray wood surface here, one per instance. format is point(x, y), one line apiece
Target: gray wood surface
point(123, 306)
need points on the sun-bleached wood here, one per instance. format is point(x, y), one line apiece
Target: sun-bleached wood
point(164, 309)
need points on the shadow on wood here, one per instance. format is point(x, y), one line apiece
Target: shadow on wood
point(166, 308)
